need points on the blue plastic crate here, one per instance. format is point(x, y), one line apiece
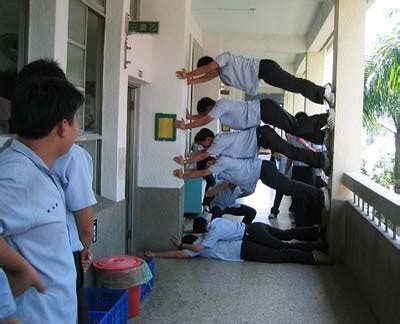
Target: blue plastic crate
point(107, 306)
point(146, 287)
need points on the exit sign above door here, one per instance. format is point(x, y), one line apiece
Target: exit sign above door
point(143, 27)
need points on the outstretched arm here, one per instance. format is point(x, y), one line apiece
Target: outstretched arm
point(183, 74)
point(201, 79)
point(201, 121)
point(166, 254)
point(191, 173)
point(192, 157)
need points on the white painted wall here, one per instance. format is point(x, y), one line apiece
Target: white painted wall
point(166, 94)
point(115, 86)
point(48, 30)
point(315, 66)
point(196, 31)
point(141, 57)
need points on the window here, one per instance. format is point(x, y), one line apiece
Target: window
point(12, 52)
point(134, 12)
point(84, 70)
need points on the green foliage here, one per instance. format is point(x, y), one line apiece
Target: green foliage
point(382, 86)
point(382, 172)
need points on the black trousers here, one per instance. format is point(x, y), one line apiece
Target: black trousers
point(271, 177)
point(308, 128)
point(273, 74)
point(263, 243)
point(277, 202)
point(83, 312)
point(268, 138)
point(244, 210)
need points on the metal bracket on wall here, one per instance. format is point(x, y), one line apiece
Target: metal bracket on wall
point(127, 48)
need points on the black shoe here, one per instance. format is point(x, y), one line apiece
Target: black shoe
point(321, 258)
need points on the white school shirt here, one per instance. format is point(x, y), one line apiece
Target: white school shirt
point(240, 145)
point(75, 170)
point(242, 172)
point(226, 198)
point(239, 72)
point(237, 114)
point(33, 221)
point(221, 250)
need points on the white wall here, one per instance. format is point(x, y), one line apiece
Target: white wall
point(141, 57)
point(48, 30)
point(166, 94)
point(115, 87)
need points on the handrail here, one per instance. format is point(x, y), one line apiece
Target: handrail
point(385, 203)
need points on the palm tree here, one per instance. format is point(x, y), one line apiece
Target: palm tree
point(382, 90)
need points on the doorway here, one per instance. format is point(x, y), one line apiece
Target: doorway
point(130, 183)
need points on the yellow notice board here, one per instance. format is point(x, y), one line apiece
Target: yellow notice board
point(164, 128)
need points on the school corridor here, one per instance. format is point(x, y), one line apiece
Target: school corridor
point(212, 291)
point(123, 55)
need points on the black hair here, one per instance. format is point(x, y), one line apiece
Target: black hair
point(300, 115)
point(203, 104)
point(202, 165)
point(204, 61)
point(43, 68)
point(40, 104)
point(203, 134)
point(189, 239)
point(200, 225)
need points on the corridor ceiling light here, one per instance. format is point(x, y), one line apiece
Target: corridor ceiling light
point(250, 10)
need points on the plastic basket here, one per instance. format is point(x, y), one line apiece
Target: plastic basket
point(146, 287)
point(107, 306)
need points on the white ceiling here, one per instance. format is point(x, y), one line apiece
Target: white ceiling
point(275, 29)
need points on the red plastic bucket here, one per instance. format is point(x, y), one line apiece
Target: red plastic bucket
point(117, 265)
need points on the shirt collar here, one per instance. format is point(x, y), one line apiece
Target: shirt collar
point(19, 147)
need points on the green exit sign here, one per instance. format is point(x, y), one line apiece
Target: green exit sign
point(143, 27)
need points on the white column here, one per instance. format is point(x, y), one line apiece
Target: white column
point(115, 87)
point(349, 80)
point(314, 73)
point(48, 30)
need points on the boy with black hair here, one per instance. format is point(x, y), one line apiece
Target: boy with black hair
point(245, 144)
point(240, 115)
point(223, 201)
point(75, 171)
point(246, 172)
point(244, 73)
point(33, 222)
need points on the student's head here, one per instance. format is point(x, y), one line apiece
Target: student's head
point(189, 239)
point(46, 105)
point(300, 115)
point(204, 137)
point(204, 164)
point(200, 225)
point(43, 68)
point(204, 61)
point(205, 105)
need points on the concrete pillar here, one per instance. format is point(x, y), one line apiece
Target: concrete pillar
point(314, 72)
point(115, 87)
point(48, 30)
point(348, 79)
point(159, 200)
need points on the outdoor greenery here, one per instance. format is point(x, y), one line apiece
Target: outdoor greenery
point(382, 96)
point(382, 171)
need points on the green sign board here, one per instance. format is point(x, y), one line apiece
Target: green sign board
point(143, 27)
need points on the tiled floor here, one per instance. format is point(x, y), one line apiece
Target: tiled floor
point(212, 291)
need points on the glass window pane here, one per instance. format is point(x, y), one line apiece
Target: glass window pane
point(12, 53)
point(76, 65)
point(77, 22)
point(134, 12)
point(94, 67)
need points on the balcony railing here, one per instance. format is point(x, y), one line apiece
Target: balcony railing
point(376, 202)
